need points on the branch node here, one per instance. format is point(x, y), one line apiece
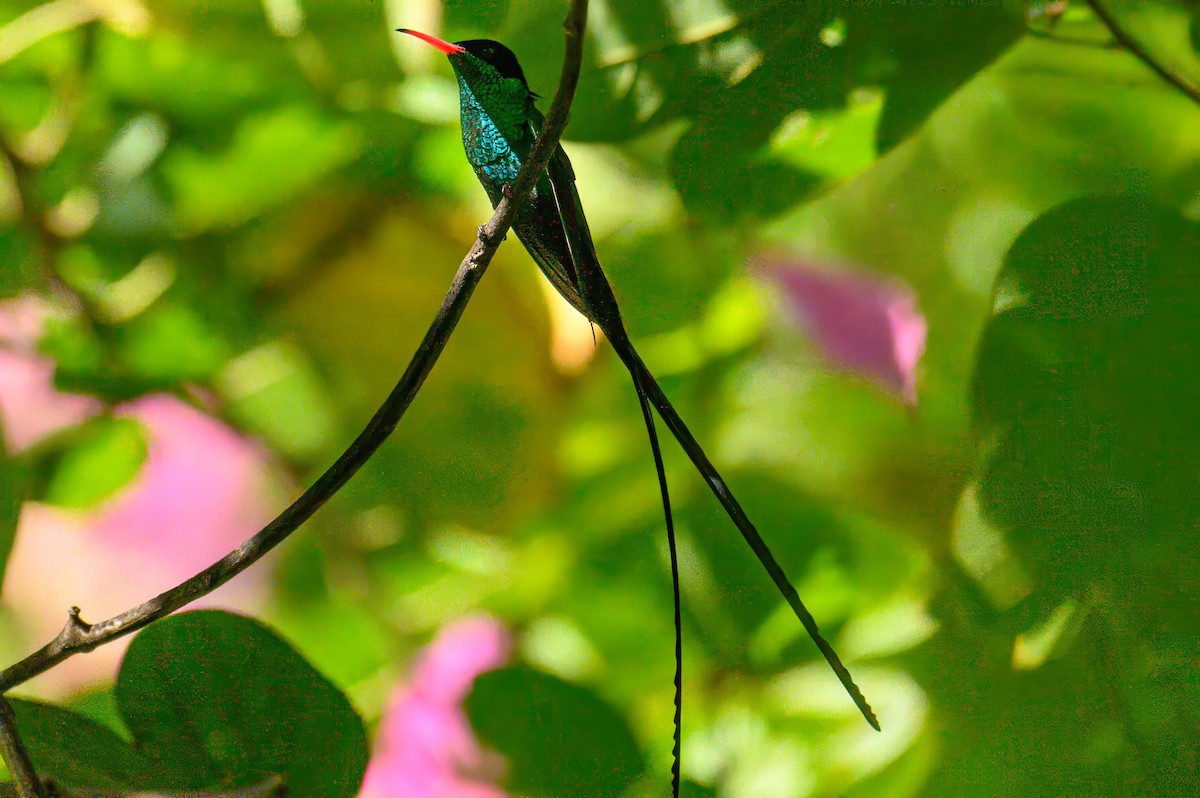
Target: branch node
point(77, 624)
point(75, 633)
point(488, 238)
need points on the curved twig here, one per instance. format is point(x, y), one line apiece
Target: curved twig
point(16, 757)
point(78, 636)
point(1131, 44)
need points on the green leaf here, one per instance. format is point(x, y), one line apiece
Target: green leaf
point(274, 392)
point(272, 157)
point(23, 100)
point(690, 789)
point(1087, 380)
point(930, 50)
point(13, 486)
point(99, 705)
point(217, 699)
point(191, 84)
point(18, 272)
point(559, 739)
point(718, 165)
point(480, 14)
point(170, 343)
point(77, 752)
point(107, 455)
point(1169, 30)
point(74, 346)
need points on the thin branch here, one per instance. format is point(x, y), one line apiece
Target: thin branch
point(78, 636)
point(15, 755)
point(1131, 44)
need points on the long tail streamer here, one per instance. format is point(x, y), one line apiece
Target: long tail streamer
point(649, 386)
point(651, 429)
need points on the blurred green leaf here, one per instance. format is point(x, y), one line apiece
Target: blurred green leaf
point(170, 343)
point(190, 82)
point(559, 739)
point(719, 166)
point(922, 53)
point(834, 145)
point(215, 699)
point(15, 254)
point(690, 789)
point(272, 156)
point(73, 344)
point(275, 392)
point(473, 448)
point(22, 103)
point(77, 752)
point(483, 15)
point(102, 457)
point(1087, 376)
point(12, 494)
point(343, 640)
point(99, 705)
point(1166, 29)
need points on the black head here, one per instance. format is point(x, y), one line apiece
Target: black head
point(497, 55)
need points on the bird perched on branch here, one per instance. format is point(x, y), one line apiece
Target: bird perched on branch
point(500, 124)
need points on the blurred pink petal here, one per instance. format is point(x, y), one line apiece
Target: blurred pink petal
point(425, 747)
point(30, 407)
point(202, 490)
point(864, 323)
point(191, 503)
point(22, 319)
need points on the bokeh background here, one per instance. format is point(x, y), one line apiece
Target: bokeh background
point(922, 277)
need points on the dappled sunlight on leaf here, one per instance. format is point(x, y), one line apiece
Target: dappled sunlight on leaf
point(983, 552)
point(851, 751)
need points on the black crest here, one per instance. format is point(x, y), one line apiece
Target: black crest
point(497, 55)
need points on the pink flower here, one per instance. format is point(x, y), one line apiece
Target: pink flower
point(30, 407)
point(425, 748)
point(199, 494)
point(201, 491)
point(864, 323)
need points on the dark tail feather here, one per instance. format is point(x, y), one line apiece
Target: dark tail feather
point(666, 499)
point(648, 386)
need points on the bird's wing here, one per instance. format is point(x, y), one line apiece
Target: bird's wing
point(590, 283)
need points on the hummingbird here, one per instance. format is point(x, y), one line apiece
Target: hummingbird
point(500, 124)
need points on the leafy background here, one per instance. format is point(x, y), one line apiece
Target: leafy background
point(244, 214)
